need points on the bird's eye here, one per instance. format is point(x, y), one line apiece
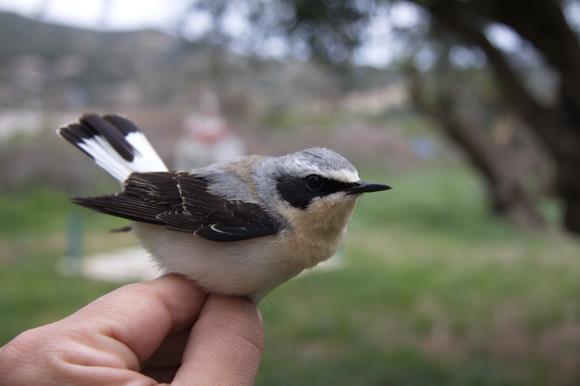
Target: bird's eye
point(314, 182)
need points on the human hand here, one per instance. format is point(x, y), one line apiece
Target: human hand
point(164, 330)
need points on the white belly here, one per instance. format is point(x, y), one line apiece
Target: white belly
point(249, 268)
point(252, 267)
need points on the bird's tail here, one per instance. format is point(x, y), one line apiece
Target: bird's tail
point(115, 143)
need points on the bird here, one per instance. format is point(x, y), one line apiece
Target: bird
point(240, 227)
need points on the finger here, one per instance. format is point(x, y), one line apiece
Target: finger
point(225, 344)
point(170, 351)
point(79, 375)
point(141, 315)
point(94, 349)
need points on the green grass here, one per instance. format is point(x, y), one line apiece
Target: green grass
point(33, 211)
point(44, 211)
point(418, 315)
point(433, 291)
point(32, 292)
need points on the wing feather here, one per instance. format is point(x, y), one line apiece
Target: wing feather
point(181, 202)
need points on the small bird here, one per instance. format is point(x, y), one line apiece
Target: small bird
point(240, 227)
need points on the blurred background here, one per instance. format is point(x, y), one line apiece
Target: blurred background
point(467, 273)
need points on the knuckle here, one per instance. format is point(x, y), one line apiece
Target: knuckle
point(139, 292)
point(134, 294)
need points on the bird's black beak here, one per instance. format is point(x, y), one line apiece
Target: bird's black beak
point(365, 187)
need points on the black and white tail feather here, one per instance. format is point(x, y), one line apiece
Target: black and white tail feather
point(115, 144)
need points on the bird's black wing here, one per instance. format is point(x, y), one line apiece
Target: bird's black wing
point(181, 202)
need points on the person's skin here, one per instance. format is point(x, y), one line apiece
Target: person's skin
point(164, 330)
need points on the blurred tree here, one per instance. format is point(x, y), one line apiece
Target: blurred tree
point(555, 123)
point(331, 30)
point(496, 161)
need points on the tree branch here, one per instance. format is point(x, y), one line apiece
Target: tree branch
point(546, 122)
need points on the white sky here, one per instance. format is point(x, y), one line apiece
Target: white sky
point(126, 14)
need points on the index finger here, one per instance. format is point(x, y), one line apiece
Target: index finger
point(141, 315)
point(225, 344)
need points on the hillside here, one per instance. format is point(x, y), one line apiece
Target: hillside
point(53, 40)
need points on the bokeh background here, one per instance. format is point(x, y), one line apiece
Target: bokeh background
point(467, 273)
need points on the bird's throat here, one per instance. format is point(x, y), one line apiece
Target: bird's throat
point(317, 231)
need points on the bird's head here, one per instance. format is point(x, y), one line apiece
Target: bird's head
point(317, 188)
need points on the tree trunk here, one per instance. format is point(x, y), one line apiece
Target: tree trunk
point(557, 127)
point(544, 25)
point(506, 192)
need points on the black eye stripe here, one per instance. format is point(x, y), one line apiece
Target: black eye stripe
point(333, 186)
point(297, 192)
point(330, 186)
